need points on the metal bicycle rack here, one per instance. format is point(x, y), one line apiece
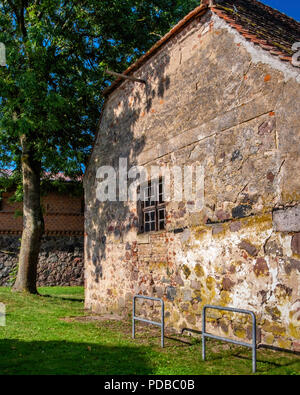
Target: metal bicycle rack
point(161, 324)
point(204, 334)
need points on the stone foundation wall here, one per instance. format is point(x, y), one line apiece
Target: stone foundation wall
point(212, 99)
point(60, 262)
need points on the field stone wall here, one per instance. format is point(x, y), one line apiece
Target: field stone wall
point(60, 261)
point(209, 100)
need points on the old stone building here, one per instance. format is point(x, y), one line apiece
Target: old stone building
point(222, 91)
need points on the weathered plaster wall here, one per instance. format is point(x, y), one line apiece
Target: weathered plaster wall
point(211, 99)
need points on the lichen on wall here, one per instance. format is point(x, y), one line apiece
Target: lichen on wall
point(207, 101)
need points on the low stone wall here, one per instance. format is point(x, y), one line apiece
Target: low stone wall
point(60, 263)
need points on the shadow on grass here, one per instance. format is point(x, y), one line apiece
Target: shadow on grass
point(234, 352)
point(239, 355)
point(181, 341)
point(70, 299)
point(68, 358)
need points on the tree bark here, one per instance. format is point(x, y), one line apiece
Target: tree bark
point(33, 223)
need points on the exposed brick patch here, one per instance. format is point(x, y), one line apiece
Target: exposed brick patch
point(227, 284)
point(270, 176)
point(296, 244)
point(217, 229)
point(222, 215)
point(292, 264)
point(287, 220)
point(251, 249)
point(273, 248)
point(261, 268)
point(195, 284)
point(178, 280)
point(235, 226)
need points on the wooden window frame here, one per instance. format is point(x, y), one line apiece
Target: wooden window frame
point(149, 211)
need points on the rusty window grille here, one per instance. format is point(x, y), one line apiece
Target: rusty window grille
point(151, 207)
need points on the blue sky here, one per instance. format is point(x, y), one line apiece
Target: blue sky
point(288, 7)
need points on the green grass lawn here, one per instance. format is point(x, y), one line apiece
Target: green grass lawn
point(38, 339)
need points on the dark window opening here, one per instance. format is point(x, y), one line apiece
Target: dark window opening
point(151, 207)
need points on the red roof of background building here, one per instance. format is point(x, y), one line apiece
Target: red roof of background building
point(47, 175)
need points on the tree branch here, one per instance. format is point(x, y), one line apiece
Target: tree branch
point(22, 18)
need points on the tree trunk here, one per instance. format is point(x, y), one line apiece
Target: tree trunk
point(33, 223)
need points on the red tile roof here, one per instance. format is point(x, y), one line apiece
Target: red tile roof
point(6, 173)
point(46, 175)
point(264, 26)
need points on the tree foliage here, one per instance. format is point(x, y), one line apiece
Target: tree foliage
point(51, 89)
point(57, 53)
